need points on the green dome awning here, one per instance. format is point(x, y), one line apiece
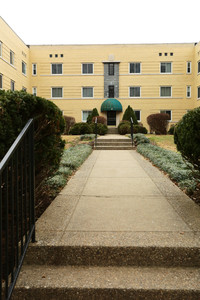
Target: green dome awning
point(111, 104)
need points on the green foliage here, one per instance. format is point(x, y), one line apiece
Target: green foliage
point(140, 138)
point(187, 137)
point(158, 123)
point(93, 114)
point(124, 127)
point(16, 108)
point(171, 130)
point(87, 137)
point(80, 128)
point(128, 114)
point(75, 156)
point(139, 129)
point(102, 129)
point(170, 162)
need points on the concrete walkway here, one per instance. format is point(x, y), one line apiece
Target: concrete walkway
point(118, 192)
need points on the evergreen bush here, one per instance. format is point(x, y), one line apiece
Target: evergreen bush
point(94, 113)
point(187, 137)
point(102, 129)
point(139, 129)
point(171, 130)
point(125, 129)
point(80, 128)
point(128, 114)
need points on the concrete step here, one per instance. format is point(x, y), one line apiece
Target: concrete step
point(114, 147)
point(122, 140)
point(112, 130)
point(102, 283)
point(114, 144)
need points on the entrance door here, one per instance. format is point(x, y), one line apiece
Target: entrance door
point(111, 118)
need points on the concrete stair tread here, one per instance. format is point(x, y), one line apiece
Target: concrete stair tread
point(108, 279)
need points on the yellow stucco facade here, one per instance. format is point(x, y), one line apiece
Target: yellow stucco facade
point(149, 77)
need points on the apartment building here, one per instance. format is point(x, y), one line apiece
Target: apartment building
point(151, 78)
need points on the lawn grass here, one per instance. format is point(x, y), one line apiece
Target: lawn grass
point(163, 141)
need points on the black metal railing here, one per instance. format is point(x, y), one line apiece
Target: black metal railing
point(17, 218)
point(96, 131)
point(132, 131)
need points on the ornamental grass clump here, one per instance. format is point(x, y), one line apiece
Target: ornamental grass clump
point(171, 163)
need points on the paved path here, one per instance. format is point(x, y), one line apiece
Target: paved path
point(120, 193)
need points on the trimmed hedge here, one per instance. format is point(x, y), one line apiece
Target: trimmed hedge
point(187, 136)
point(85, 128)
point(158, 123)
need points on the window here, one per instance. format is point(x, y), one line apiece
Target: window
point(85, 114)
point(165, 67)
point(24, 89)
point(165, 91)
point(138, 115)
point(87, 92)
point(198, 92)
point(111, 69)
point(11, 57)
point(61, 55)
point(198, 66)
point(56, 55)
point(188, 91)
point(111, 91)
point(24, 68)
point(87, 68)
point(134, 68)
point(50, 55)
point(169, 112)
point(1, 81)
point(134, 91)
point(165, 54)
point(34, 91)
point(160, 54)
point(188, 67)
point(12, 85)
point(171, 53)
point(56, 68)
point(34, 69)
point(57, 92)
point(0, 48)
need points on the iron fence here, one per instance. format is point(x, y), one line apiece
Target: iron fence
point(17, 219)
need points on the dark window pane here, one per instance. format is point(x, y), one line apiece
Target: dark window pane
point(110, 69)
point(111, 91)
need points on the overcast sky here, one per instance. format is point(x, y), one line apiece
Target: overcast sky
point(103, 21)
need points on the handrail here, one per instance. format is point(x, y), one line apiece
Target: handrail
point(95, 130)
point(132, 131)
point(17, 202)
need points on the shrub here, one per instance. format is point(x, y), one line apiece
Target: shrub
point(128, 114)
point(101, 128)
point(140, 138)
point(158, 123)
point(80, 128)
point(170, 162)
point(124, 128)
point(94, 113)
point(16, 108)
point(75, 156)
point(69, 122)
point(187, 137)
point(87, 137)
point(139, 129)
point(171, 130)
point(100, 119)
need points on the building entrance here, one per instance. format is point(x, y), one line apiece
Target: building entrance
point(111, 117)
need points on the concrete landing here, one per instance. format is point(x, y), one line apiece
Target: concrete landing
point(120, 211)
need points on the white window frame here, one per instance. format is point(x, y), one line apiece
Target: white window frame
point(34, 69)
point(188, 90)
point(87, 72)
point(56, 73)
point(82, 114)
point(34, 90)
point(25, 66)
point(56, 87)
point(1, 81)
point(139, 120)
point(12, 85)
point(164, 86)
point(136, 62)
point(12, 58)
point(165, 62)
point(1, 48)
point(198, 92)
point(88, 87)
point(189, 66)
point(165, 111)
point(130, 92)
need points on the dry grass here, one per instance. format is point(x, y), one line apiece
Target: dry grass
point(163, 141)
point(71, 140)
